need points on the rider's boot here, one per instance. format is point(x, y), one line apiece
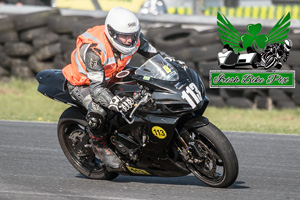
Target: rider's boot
point(104, 153)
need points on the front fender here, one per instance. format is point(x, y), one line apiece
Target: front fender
point(196, 122)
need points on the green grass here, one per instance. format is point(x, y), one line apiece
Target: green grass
point(20, 100)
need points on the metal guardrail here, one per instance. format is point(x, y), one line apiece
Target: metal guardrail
point(164, 18)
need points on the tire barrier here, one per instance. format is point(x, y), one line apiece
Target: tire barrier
point(44, 40)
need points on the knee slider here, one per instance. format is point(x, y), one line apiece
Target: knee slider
point(95, 121)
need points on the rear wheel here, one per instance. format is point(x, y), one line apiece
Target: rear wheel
point(215, 162)
point(75, 143)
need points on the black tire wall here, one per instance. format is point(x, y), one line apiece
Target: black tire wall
point(43, 40)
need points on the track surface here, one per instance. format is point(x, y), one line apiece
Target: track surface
point(33, 167)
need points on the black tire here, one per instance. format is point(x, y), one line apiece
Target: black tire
point(18, 49)
point(5, 61)
point(172, 39)
point(297, 73)
point(198, 54)
point(228, 93)
point(205, 67)
point(204, 38)
point(10, 62)
point(32, 20)
point(295, 39)
point(22, 71)
point(81, 27)
point(45, 39)
point(278, 95)
point(6, 25)
point(58, 62)
point(73, 122)
point(218, 152)
point(286, 104)
point(239, 102)
point(3, 72)
point(48, 52)
point(297, 94)
point(37, 66)
point(216, 101)
point(67, 44)
point(293, 59)
point(262, 102)
point(152, 32)
point(251, 93)
point(29, 35)
point(67, 56)
point(63, 24)
point(9, 36)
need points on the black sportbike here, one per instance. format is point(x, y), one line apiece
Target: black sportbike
point(165, 134)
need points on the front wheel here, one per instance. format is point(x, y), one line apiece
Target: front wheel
point(75, 143)
point(214, 162)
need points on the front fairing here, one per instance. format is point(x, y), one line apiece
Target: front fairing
point(174, 89)
point(186, 92)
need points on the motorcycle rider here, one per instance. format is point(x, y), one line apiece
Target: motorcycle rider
point(274, 53)
point(101, 52)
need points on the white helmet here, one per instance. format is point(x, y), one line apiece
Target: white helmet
point(288, 45)
point(120, 21)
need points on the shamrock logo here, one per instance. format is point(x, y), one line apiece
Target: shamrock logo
point(230, 36)
point(254, 39)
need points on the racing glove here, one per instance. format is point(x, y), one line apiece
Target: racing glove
point(118, 104)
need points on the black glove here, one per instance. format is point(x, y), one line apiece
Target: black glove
point(118, 104)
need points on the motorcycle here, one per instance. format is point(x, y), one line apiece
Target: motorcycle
point(164, 135)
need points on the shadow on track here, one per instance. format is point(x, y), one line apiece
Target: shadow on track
point(184, 180)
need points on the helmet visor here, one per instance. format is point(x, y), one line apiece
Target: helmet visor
point(124, 39)
point(128, 40)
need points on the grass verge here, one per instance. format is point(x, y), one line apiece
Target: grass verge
point(20, 100)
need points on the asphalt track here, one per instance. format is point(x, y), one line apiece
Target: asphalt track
point(33, 167)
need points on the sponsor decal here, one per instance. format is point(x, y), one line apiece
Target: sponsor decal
point(167, 69)
point(122, 74)
point(159, 132)
point(261, 54)
point(137, 171)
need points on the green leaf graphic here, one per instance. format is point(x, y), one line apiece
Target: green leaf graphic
point(229, 35)
point(254, 29)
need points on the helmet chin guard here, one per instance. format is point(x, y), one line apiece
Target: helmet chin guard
point(120, 21)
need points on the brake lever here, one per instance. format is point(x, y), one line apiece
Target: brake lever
point(144, 100)
point(126, 119)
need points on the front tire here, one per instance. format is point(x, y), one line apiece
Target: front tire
point(75, 143)
point(219, 165)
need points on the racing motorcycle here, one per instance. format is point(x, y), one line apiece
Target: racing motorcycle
point(164, 135)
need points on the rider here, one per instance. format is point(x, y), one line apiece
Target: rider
point(101, 52)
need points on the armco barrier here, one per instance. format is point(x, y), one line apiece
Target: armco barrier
point(43, 40)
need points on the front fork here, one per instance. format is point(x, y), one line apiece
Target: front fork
point(189, 150)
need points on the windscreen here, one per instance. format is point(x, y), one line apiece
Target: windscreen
point(156, 67)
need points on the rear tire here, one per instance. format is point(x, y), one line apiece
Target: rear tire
point(75, 144)
point(220, 166)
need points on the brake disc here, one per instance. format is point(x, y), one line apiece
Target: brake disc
point(209, 164)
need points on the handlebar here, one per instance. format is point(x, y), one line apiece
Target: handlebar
point(144, 100)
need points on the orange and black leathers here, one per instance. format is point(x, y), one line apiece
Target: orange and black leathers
point(95, 60)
